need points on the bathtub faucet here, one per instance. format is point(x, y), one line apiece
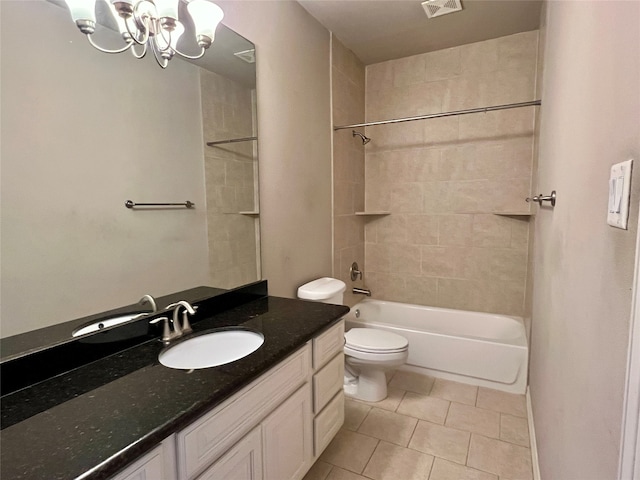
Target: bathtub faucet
point(362, 291)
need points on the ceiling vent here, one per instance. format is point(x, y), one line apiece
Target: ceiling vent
point(248, 56)
point(436, 8)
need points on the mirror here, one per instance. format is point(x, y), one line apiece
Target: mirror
point(82, 133)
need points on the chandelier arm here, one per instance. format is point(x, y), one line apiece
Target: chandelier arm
point(139, 55)
point(191, 57)
point(167, 42)
point(104, 50)
point(137, 32)
point(163, 62)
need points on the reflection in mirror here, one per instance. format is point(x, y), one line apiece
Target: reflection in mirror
point(83, 132)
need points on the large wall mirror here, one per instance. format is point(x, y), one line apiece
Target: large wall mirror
point(82, 133)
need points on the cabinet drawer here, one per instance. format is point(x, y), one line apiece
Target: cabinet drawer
point(158, 464)
point(207, 438)
point(328, 344)
point(327, 423)
point(327, 382)
point(242, 462)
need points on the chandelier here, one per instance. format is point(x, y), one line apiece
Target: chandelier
point(151, 24)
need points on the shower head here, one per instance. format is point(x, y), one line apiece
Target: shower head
point(365, 140)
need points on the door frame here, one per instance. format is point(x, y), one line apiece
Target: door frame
point(629, 463)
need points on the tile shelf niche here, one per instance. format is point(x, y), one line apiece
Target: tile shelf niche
point(254, 213)
point(372, 213)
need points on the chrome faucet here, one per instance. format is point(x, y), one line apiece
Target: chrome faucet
point(178, 330)
point(362, 291)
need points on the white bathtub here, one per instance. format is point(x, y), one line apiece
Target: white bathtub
point(471, 347)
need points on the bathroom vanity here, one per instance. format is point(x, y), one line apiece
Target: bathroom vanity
point(125, 416)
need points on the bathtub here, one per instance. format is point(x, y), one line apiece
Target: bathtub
point(481, 349)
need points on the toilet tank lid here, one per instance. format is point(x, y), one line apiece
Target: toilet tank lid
point(321, 289)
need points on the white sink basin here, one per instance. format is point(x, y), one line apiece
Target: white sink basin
point(211, 349)
point(109, 322)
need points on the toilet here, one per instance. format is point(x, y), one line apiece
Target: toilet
point(369, 352)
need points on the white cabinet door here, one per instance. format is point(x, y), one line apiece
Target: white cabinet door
point(158, 464)
point(287, 438)
point(242, 462)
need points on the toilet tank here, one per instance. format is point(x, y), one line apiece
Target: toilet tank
point(325, 290)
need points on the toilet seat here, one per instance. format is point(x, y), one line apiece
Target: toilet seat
point(374, 341)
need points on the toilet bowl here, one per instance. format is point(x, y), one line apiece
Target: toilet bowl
point(369, 352)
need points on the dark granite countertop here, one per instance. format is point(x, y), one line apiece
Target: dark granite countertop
point(117, 408)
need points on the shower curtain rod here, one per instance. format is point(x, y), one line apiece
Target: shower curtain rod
point(444, 114)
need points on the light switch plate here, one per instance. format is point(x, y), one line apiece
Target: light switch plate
point(619, 190)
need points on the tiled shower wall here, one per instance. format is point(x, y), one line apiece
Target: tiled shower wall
point(347, 83)
point(457, 233)
point(230, 180)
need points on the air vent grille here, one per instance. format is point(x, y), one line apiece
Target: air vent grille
point(436, 8)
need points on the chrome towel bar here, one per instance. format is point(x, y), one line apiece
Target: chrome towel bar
point(132, 204)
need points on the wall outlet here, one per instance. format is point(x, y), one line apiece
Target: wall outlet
point(619, 191)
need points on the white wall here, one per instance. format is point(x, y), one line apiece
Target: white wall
point(589, 119)
point(81, 133)
point(294, 130)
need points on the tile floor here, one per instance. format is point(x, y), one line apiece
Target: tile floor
point(430, 429)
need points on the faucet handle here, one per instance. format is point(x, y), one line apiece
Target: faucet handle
point(166, 331)
point(189, 310)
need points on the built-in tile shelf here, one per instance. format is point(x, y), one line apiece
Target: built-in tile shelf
point(373, 213)
point(251, 213)
point(514, 214)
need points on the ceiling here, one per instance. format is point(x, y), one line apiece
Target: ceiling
point(380, 30)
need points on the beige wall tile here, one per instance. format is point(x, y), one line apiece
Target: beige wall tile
point(349, 450)
point(479, 295)
point(385, 286)
point(519, 50)
point(406, 259)
point(437, 261)
point(424, 407)
point(479, 57)
point(421, 229)
point(391, 462)
point(445, 470)
point(473, 419)
point(492, 230)
point(389, 426)
point(514, 430)
point(441, 64)
point(420, 291)
point(409, 70)
point(501, 458)
point(440, 441)
point(454, 391)
point(436, 197)
point(406, 198)
point(379, 76)
point(391, 229)
point(455, 230)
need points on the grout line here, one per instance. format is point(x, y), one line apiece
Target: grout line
point(370, 457)
point(466, 461)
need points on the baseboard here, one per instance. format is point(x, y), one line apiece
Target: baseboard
point(532, 439)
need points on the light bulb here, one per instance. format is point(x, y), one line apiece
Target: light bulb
point(82, 10)
point(167, 8)
point(206, 17)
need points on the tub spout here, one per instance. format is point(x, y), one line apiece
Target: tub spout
point(362, 291)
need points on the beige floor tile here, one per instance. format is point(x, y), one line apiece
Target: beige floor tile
point(338, 473)
point(424, 407)
point(318, 471)
point(441, 441)
point(514, 430)
point(391, 462)
point(502, 402)
point(412, 382)
point(474, 419)
point(354, 414)
point(389, 426)
point(394, 397)
point(446, 470)
point(454, 391)
point(501, 458)
point(349, 450)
